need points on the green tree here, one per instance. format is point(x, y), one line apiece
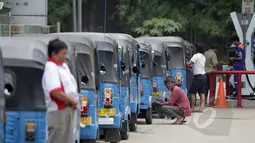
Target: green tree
point(60, 11)
point(158, 27)
point(208, 19)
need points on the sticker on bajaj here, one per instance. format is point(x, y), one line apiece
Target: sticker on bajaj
point(157, 93)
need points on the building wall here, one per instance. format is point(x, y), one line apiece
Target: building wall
point(28, 11)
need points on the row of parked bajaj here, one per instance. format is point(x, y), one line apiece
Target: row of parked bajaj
point(118, 77)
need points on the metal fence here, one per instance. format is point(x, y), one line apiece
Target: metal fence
point(9, 29)
point(13, 29)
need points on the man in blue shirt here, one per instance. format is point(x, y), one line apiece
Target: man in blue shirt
point(239, 59)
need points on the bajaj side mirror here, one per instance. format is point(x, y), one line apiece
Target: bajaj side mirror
point(123, 65)
point(143, 64)
point(154, 64)
point(84, 79)
point(168, 55)
point(135, 69)
point(8, 89)
point(102, 70)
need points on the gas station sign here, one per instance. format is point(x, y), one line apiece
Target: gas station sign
point(247, 6)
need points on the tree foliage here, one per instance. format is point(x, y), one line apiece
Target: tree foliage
point(60, 11)
point(158, 26)
point(207, 18)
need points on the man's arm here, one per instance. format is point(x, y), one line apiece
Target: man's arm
point(173, 98)
point(53, 85)
point(192, 61)
point(239, 58)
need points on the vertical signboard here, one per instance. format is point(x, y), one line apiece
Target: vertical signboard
point(247, 6)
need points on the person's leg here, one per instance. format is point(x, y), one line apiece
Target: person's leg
point(202, 91)
point(173, 112)
point(55, 127)
point(207, 87)
point(235, 84)
point(236, 80)
point(214, 89)
point(193, 90)
point(166, 110)
point(70, 124)
point(60, 126)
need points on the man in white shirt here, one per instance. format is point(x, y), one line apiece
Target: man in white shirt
point(197, 62)
point(60, 90)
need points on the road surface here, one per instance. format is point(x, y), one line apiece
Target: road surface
point(212, 126)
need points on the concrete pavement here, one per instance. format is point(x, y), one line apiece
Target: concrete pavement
point(212, 126)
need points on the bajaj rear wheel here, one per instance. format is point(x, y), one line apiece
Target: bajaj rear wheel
point(125, 135)
point(148, 116)
point(87, 141)
point(133, 127)
point(133, 124)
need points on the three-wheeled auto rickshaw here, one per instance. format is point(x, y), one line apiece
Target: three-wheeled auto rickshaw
point(189, 53)
point(177, 65)
point(159, 71)
point(109, 120)
point(129, 48)
point(86, 79)
point(146, 72)
point(35, 49)
point(25, 106)
point(2, 98)
point(87, 68)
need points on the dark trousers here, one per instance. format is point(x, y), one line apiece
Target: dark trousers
point(208, 87)
point(236, 79)
point(172, 111)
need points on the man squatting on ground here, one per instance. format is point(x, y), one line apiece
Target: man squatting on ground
point(178, 105)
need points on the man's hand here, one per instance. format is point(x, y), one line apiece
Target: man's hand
point(73, 102)
point(232, 58)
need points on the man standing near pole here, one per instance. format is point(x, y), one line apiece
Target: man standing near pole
point(239, 59)
point(211, 64)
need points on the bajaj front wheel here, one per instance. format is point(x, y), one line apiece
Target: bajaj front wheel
point(148, 116)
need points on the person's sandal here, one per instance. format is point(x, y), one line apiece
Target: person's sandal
point(183, 121)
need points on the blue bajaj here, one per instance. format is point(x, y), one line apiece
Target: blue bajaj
point(159, 72)
point(176, 66)
point(189, 53)
point(124, 94)
point(25, 105)
point(146, 72)
point(87, 66)
point(129, 55)
point(109, 102)
point(71, 62)
point(2, 98)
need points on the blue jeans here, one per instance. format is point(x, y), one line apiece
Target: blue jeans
point(236, 78)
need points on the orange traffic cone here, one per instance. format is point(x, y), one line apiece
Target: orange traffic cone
point(221, 99)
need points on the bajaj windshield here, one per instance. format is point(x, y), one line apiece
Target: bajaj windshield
point(157, 69)
point(177, 59)
point(27, 89)
point(84, 66)
point(108, 60)
point(146, 71)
